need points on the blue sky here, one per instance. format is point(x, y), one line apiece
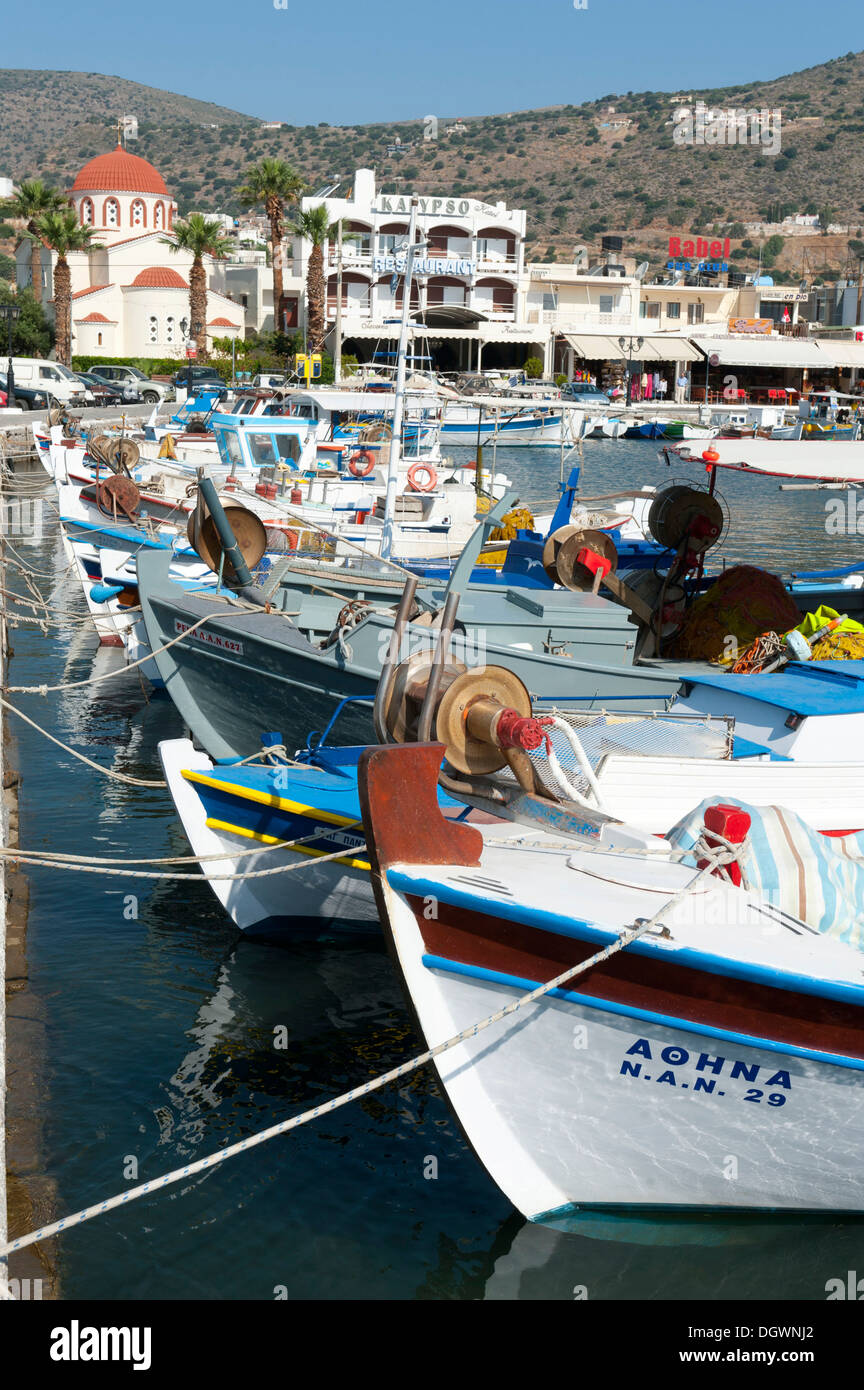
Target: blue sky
point(358, 61)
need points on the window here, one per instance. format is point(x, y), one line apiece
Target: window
point(607, 303)
point(112, 212)
point(649, 310)
point(389, 243)
point(695, 313)
point(98, 339)
point(159, 217)
point(139, 218)
point(550, 301)
point(169, 329)
point(87, 212)
point(673, 309)
point(153, 329)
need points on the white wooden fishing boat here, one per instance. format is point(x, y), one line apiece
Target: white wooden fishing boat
point(716, 1062)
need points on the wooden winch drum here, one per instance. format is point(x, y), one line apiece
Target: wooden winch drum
point(572, 574)
point(249, 532)
point(410, 679)
point(552, 548)
point(122, 454)
point(492, 686)
point(675, 511)
point(118, 494)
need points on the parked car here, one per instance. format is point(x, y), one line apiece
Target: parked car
point(585, 393)
point(50, 378)
point(107, 392)
point(201, 377)
point(147, 390)
point(25, 397)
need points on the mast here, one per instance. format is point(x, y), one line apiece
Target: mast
point(337, 353)
point(399, 404)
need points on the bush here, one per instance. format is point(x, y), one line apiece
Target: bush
point(533, 367)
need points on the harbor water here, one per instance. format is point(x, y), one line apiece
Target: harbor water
point(168, 1036)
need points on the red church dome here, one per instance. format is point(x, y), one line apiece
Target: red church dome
point(120, 172)
point(160, 277)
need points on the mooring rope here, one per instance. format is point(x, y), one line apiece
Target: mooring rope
point(717, 856)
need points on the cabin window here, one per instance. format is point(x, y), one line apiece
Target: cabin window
point(288, 446)
point(229, 448)
point(261, 446)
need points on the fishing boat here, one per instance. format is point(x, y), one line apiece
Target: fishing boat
point(674, 1019)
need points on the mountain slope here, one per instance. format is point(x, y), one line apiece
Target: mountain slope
point(577, 174)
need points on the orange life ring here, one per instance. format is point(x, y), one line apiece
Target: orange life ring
point(416, 471)
point(355, 462)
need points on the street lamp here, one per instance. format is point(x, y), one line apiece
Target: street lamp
point(631, 346)
point(12, 313)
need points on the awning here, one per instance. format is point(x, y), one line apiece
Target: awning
point(595, 348)
point(842, 354)
point(669, 350)
point(764, 352)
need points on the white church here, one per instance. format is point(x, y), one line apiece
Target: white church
point(131, 298)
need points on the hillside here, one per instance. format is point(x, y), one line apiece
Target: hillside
point(577, 175)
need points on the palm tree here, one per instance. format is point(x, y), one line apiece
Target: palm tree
point(314, 225)
point(272, 183)
point(203, 237)
point(61, 231)
point(32, 200)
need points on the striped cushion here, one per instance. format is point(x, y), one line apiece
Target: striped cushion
point(817, 878)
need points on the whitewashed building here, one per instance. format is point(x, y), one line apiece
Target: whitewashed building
point(130, 294)
point(469, 298)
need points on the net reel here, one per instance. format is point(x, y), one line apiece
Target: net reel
point(249, 532)
point(688, 520)
point(118, 494)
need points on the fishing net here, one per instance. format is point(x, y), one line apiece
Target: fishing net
point(740, 606)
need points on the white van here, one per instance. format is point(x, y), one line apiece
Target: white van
point(58, 383)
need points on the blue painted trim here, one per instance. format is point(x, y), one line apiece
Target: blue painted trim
point(452, 967)
point(586, 931)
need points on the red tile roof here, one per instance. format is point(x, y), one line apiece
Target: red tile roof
point(119, 172)
point(95, 318)
point(92, 289)
point(160, 277)
point(221, 323)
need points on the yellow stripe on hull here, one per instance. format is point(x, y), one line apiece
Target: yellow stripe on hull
point(211, 824)
point(279, 803)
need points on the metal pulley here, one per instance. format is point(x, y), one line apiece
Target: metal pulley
point(682, 514)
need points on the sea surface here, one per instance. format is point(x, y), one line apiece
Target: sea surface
point(161, 1024)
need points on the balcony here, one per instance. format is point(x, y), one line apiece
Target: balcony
point(573, 321)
